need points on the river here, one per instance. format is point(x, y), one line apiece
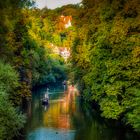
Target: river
point(65, 118)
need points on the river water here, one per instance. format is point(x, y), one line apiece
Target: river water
point(65, 118)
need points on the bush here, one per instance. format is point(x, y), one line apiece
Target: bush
point(8, 77)
point(11, 121)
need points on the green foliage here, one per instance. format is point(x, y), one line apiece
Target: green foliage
point(111, 108)
point(105, 56)
point(131, 103)
point(8, 77)
point(46, 66)
point(11, 121)
point(25, 35)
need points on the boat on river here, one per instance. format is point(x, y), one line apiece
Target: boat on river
point(45, 100)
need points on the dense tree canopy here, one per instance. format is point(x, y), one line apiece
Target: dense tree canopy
point(106, 57)
point(25, 37)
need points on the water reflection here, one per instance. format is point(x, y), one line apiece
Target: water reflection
point(59, 112)
point(53, 121)
point(67, 119)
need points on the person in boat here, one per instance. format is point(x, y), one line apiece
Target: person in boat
point(47, 96)
point(64, 84)
point(45, 100)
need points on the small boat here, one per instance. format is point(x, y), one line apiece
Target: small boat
point(45, 101)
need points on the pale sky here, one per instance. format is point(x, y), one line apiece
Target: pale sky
point(52, 4)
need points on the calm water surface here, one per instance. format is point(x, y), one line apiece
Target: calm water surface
point(66, 119)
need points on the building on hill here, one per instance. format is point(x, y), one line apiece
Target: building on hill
point(65, 21)
point(62, 51)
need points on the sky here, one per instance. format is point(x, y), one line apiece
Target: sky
point(52, 4)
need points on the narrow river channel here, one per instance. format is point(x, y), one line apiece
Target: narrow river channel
point(65, 118)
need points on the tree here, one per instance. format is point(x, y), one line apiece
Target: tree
point(11, 119)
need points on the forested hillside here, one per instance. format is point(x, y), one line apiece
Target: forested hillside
point(26, 59)
point(106, 57)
